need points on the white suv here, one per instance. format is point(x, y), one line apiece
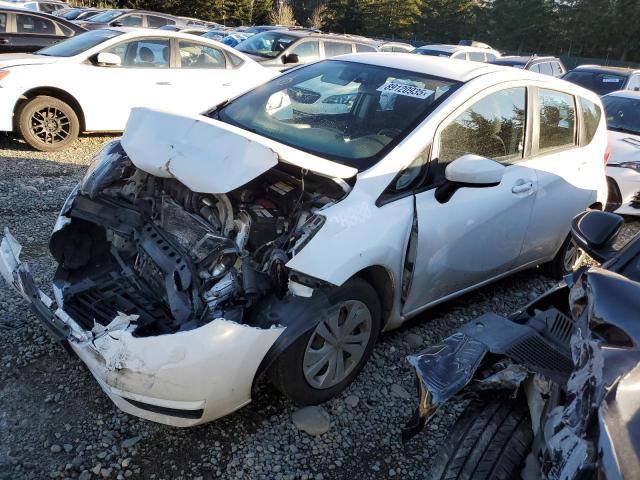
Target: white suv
point(200, 252)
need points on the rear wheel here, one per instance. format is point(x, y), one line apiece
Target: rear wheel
point(48, 124)
point(490, 441)
point(323, 362)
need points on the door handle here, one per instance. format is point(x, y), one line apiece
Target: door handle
point(226, 84)
point(163, 83)
point(522, 187)
point(4, 40)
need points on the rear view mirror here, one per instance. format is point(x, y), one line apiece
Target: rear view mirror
point(594, 232)
point(474, 170)
point(290, 58)
point(108, 59)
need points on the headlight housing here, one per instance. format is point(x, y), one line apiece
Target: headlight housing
point(632, 165)
point(104, 169)
point(344, 99)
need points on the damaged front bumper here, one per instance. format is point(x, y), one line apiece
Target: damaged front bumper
point(182, 379)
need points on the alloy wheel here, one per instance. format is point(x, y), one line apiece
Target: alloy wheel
point(50, 125)
point(337, 345)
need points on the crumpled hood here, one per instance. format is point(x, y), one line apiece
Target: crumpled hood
point(625, 147)
point(209, 156)
point(18, 59)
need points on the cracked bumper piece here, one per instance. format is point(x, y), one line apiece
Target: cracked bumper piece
point(180, 379)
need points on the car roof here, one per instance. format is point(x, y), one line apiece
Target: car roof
point(625, 93)
point(523, 59)
point(604, 69)
point(304, 33)
point(443, 47)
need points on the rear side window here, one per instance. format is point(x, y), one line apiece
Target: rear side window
point(490, 57)
point(557, 117)
point(476, 56)
point(368, 48)
point(196, 55)
point(157, 22)
point(546, 69)
point(3, 22)
point(591, 114)
point(634, 83)
point(331, 49)
point(493, 128)
point(131, 20)
point(33, 24)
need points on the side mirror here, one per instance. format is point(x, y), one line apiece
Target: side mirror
point(107, 59)
point(116, 23)
point(471, 171)
point(290, 58)
point(594, 232)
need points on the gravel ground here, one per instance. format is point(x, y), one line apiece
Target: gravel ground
point(56, 422)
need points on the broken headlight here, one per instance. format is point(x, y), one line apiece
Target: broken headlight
point(308, 231)
point(104, 169)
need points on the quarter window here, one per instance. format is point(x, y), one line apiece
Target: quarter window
point(196, 55)
point(36, 25)
point(331, 49)
point(307, 51)
point(558, 71)
point(3, 22)
point(591, 114)
point(557, 120)
point(493, 128)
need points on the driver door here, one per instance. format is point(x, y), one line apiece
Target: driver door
point(479, 232)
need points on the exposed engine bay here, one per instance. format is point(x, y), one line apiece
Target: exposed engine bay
point(137, 244)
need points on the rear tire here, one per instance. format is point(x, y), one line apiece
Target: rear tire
point(48, 124)
point(296, 373)
point(490, 441)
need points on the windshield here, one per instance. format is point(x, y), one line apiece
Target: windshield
point(266, 44)
point(432, 53)
point(623, 114)
point(72, 14)
point(79, 44)
point(106, 17)
point(599, 82)
point(349, 112)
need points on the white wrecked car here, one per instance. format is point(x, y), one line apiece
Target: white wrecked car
point(201, 252)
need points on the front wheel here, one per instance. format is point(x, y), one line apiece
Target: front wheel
point(490, 441)
point(48, 124)
point(566, 261)
point(324, 361)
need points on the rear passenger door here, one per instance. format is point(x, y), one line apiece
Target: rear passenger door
point(564, 171)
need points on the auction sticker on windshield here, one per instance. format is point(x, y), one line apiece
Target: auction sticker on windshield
point(406, 90)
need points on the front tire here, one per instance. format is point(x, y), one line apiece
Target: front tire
point(566, 261)
point(48, 124)
point(490, 441)
point(323, 362)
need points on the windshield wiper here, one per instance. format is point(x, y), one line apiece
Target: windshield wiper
point(624, 130)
